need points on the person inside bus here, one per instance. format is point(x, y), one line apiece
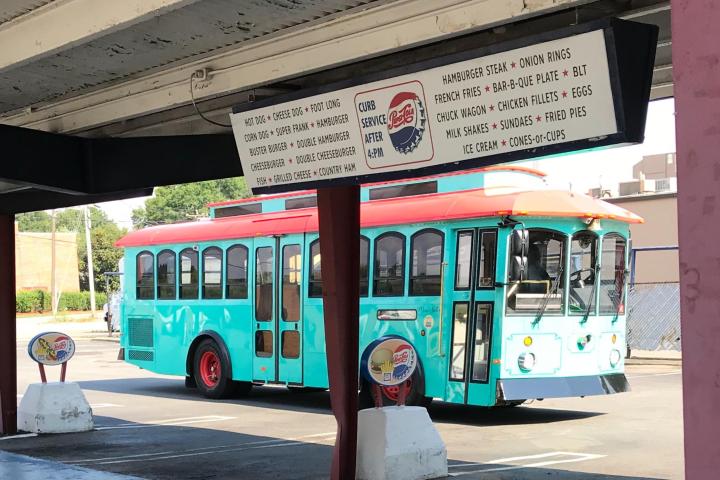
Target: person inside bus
point(538, 279)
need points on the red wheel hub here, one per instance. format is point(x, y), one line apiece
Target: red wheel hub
point(210, 369)
point(393, 392)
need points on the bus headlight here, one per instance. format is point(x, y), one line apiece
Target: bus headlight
point(526, 361)
point(614, 357)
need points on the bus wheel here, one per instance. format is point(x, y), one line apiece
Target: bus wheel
point(211, 372)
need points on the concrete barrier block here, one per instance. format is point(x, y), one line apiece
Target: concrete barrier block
point(399, 443)
point(54, 408)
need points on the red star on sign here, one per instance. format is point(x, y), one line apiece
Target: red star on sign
point(306, 109)
point(503, 143)
point(492, 108)
point(272, 133)
point(538, 118)
point(269, 180)
point(312, 124)
point(290, 160)
point(565, 73)
point(292, 144)
point(315, 173)
point(512, 64)
point(269, 118)
point(564, 94)
point(494, 125)
point(487, 88)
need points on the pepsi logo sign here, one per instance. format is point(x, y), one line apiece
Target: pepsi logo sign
point(406, 121)
point(388, 361)
point(51, 348)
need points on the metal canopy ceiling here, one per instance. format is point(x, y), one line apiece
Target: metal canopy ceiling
point(10, 9)
point(199, 28)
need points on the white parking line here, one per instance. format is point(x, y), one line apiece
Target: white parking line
point(172, 422)
point(577, 457)
point(105, 405)
point(302, 440)
point(24, 435)
point(674, 372)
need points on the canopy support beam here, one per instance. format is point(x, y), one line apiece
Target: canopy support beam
point(697, 103)
point(8, 349)
point(339, 216)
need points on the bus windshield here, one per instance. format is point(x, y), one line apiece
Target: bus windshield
point(542, 286)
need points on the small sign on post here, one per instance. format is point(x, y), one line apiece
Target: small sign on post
point(51, 348)
point(389, 361)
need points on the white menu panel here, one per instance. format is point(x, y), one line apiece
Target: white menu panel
point(544, 94)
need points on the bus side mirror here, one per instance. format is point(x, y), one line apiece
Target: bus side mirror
point(519, 240)
point(518, 268)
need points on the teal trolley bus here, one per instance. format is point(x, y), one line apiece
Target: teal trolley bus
point(507, 289)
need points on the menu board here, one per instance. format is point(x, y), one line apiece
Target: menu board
point(517, 100)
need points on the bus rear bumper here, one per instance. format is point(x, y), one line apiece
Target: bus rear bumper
point(530, 388)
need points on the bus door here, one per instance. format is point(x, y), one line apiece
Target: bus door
point(278, 309)
point(472, 291)
point(289, 321)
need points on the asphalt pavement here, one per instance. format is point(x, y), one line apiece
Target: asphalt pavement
point(150, 426)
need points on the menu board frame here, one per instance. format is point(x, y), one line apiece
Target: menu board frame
point(630, 48)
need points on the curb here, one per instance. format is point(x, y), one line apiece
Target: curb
point(653, 361)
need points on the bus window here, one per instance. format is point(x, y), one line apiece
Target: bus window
point(212, 273)
point(166, 275)
point(237, 272)
point(463, 261)
point(481, 352)
point(486, 272)
point(315, 277)
point(263, 343)
point(264, 284)
point(188, 274)
point(583, 261)
point(291, 344)
point(389, 277)
point(145, 276)
point(612, 275)
point(364, 266)
point(459, 334)
point(427, 252)
point(541, 290)
point(292, 269)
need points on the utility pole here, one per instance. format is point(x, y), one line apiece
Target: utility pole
point(91, 276)
point(53, 268)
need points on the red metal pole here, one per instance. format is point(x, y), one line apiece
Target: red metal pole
point(339, 212)
point(8, 361)
point(696, 71)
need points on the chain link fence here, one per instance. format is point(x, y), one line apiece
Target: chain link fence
point(653, 317)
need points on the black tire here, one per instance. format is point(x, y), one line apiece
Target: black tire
point(223, 385)
point(242, 389)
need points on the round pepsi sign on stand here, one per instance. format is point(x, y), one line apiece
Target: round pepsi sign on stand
point(389, 361)
point(51, 348)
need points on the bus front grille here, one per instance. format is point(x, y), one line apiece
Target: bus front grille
point(140, 332)
point(141, 355)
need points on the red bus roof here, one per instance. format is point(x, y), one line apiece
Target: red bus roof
point(478, 203)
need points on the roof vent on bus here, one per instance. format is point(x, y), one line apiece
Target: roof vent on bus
point(407, 190)
point(237, 210)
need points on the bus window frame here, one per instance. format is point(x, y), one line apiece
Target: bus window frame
point(598, 259)
point(625, 267)
point(365, 294)
point(226, 284)
point(476, 258)
point(411, 262)
point(565, 281)
point(154, 276)
point(203, 272)
point(299, 272)
point(174, 275)
point(273, 275)
point(460, 232)
point(180, 273)
point(404, 256)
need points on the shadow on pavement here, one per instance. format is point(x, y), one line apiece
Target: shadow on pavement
point(317, 402)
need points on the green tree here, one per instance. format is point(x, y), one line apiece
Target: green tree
point(72, 219)
point(34, 222)
point(188, 201)
point(105, 255)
